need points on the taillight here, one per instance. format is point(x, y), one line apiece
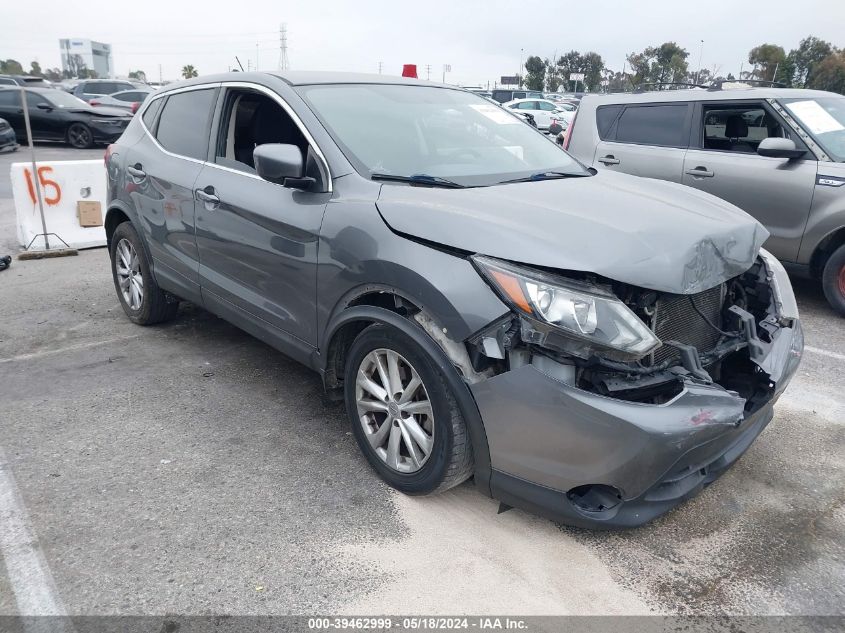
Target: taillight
point(94, 102)
point(568, 135)
point(135, 106)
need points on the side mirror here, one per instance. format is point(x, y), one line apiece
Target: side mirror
point(281, 163)
point(779, 148)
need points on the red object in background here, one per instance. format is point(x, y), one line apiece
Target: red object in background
point(135, 106)
point(409, 70)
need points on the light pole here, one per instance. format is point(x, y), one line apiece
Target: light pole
point(519, 72)
point(700, 54)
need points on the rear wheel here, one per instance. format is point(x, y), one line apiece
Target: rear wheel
point(404, 416)
point(833, 280)
point(141, 298)
point(80, 136)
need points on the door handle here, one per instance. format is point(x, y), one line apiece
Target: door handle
point(207, 197)
point(609, 160)
point(136, 172)
point(700, 172)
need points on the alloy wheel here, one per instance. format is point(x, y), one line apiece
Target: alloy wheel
point(394, 410)
point(129, 276)
point(79, 136)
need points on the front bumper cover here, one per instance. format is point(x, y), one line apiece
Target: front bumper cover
point(548, 438)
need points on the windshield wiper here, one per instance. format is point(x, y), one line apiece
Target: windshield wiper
point(544, 175)
point(419, 179)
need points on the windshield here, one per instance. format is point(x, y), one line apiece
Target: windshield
point(824, 119)
point(440, 132)
point(62, 99)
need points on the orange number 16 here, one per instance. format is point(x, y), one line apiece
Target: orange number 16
point(46, 183)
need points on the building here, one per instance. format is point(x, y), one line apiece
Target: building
point(79, 54)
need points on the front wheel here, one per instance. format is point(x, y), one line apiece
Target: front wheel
point(833, 280)
point(80, 136)
point(403, 414)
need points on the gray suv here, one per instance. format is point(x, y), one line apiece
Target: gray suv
point(778, 154)
point(593, 347)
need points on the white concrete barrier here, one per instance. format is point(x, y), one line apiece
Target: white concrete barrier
point(63, 184)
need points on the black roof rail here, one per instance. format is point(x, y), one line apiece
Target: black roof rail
point(648, 86)
point(754, 83)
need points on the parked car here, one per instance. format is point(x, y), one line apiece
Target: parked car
point(779, 154)
point(591, 346)
point(129, 100)
point(92, 88)
point(8, 140)
point(58, 116)
point(525, 116)
point(503, 95)
point(24, 80)
point(544, 112)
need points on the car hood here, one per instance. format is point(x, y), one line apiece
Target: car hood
point(645, 232)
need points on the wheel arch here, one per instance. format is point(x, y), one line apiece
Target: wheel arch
point(117, 214)
point(824, 249)
point(374, 307)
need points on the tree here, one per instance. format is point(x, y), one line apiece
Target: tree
point(767, 60)
point(829, 74)
point(801, 61)
point(661, 64)
point(35, 69)
point(553, 78)
point(189, 71)
point(75, 67)
point(590, 64)
point(535, 76)
point(53, 74)
point(11, 67)
point(140, 75)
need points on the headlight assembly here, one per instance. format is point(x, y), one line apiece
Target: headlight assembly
point(593, 319)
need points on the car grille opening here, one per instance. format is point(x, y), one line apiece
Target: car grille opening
point(675, 319)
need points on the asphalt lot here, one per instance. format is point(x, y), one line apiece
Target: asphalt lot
point(189, 468)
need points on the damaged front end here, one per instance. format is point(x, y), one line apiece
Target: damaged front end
point(606, 404)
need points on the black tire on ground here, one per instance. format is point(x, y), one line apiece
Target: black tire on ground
point(155, 306)
point(80, 136)
point(451, 460)
point(833, 280)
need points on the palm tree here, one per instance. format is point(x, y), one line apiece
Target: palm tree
point(189, 71)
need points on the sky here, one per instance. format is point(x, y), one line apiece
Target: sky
point(481, 41)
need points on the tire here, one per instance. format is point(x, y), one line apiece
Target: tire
point(80, 136)
point(449, 460)
point(149, 306)
point(833, 280)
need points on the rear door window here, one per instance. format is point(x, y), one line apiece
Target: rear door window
point(183, 124)
point(661, 125)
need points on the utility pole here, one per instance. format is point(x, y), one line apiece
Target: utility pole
point(519, 72)
point(700, 53)
point(284, 64)
point(379, 67)
point(256, 56)
point(428, 72)
point(160, 81)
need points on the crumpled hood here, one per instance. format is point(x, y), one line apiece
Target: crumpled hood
point(645, 232)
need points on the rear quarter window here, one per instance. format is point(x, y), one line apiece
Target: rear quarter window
point(605, 118)
point(183, 123)
point(661, 125)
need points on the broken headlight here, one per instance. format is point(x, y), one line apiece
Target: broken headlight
point(592, 316)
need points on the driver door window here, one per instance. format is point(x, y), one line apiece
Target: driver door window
point(738, 128)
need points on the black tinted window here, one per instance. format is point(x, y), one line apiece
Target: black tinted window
point(182, 124)
point(605, 117)
point(10, 98)
point(151, 112)
point(652, 125)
